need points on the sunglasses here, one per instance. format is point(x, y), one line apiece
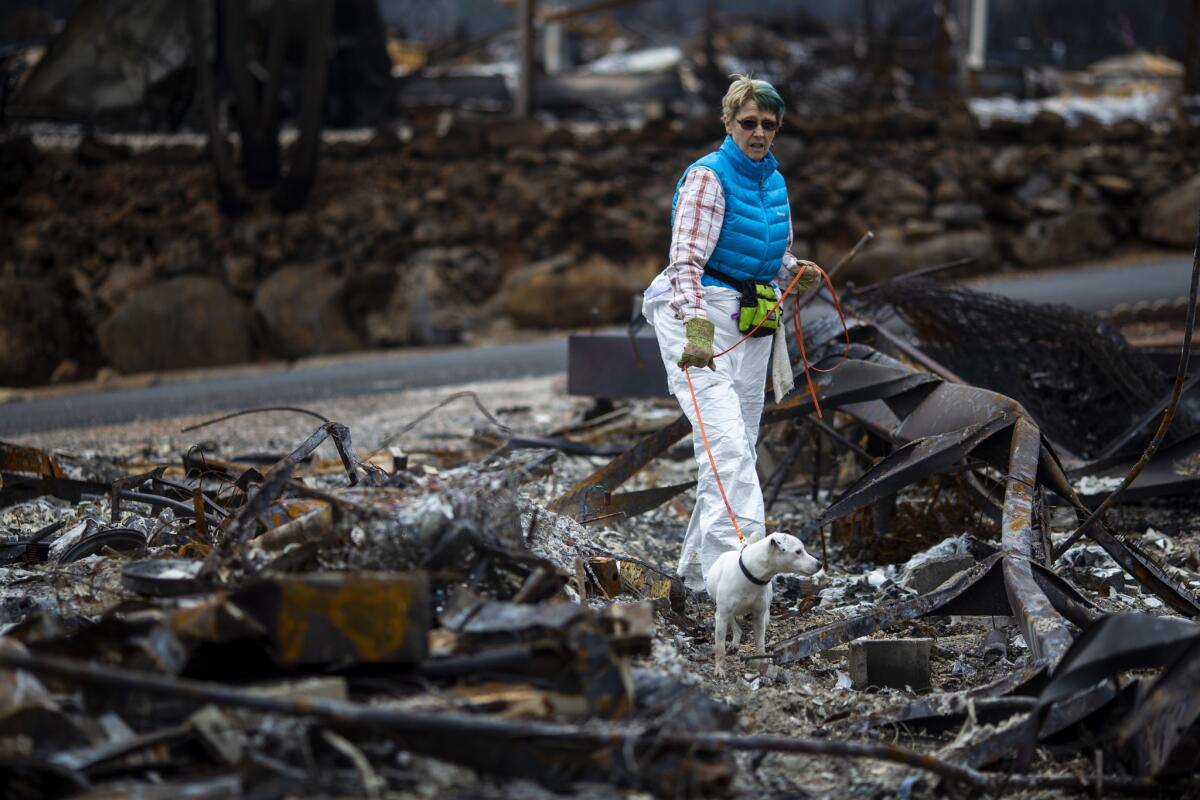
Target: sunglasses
point(768, 125)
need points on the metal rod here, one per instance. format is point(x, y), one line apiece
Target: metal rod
point(422, 724)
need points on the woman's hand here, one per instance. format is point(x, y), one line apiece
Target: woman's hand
point(697, 352)
point(809, 277)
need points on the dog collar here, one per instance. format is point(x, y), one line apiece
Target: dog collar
point(749, 576)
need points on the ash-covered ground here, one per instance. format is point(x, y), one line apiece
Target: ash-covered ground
point(457, 443)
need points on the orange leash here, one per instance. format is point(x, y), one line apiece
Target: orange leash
point(811, 388)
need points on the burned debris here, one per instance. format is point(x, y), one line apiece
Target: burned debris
point(410, 594)
point(272, 623)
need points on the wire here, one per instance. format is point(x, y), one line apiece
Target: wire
point(244, 412)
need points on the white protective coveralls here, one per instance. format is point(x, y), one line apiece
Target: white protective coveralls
point(731, 404)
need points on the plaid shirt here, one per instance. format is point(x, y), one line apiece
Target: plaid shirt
point(699, 215)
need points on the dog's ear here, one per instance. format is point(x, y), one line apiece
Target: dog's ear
point(775, 543)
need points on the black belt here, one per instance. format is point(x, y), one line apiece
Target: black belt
point(743, 285)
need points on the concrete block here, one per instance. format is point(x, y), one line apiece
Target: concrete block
point(894, 663)
point(936, 571)
point(1100, 580)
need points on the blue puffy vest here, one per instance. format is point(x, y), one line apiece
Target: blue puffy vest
point(757, 215)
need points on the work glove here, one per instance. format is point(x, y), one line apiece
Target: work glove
point(698, 352)
point(808, 280)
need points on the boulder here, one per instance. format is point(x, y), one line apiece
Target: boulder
point(34, 333)
point(189, 321)
point(960, 125)
point(301, 312)
point(1003, 130)
point(441, 293)
point(978, 245)
point(122, 282)
point(948, 190)
point(1170, 218)
point(505, 134)
point(958, 215)
point(1128, 130)
point(1086, 130)
point(1009, 166)
point(886, 257)
point(894, 195)
point(1063, 239)
point(1046, 127)
point(567, 292)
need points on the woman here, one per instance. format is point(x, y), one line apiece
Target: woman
point(731, 236)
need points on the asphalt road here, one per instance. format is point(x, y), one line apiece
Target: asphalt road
point(1094, 288)
point(385, 372)
point(1098, 287)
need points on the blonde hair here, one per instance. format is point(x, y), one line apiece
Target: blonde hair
point(746, 88)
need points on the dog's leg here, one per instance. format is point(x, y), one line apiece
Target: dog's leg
point(736, 639)
point(719, 642)
point(761, 615)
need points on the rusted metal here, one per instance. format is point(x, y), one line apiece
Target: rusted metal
point(628, 504)
point(623, 467)
point(1044, 628)
point(1146, 572)
point(31, 460)
point(639, 757)
point(340, 618)
point(918, 459)
point(932, 409)
point(1119, 642)
point(15, 488)
point(1165, 475)
point(857, 381)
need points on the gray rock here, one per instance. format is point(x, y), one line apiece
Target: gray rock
point(1034, 188)
point(1047, 127)
point(441, 294)
point(189, 321)
point(301, 311)
point(1170, 218)
point(1064, 239)
point(1086, 130)
point(564, 292)
point(952, 246)
point(1009, 166)
point(896, 195)
point(958, 215)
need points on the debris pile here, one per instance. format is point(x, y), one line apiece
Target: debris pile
point(218, 620)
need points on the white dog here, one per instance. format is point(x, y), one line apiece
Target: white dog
point(740, 581)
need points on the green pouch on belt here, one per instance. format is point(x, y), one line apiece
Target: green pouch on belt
point(758, 306)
